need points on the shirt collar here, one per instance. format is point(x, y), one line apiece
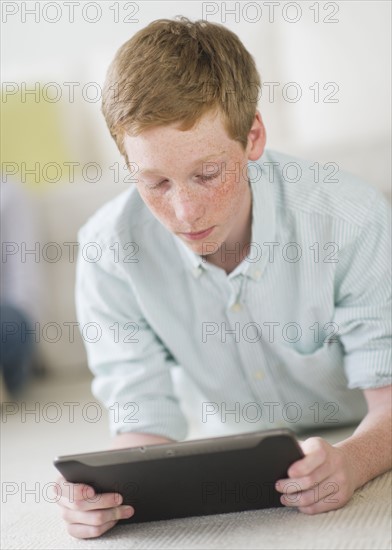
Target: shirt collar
point(263, 230)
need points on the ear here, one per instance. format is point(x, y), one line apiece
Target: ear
point(256, 138)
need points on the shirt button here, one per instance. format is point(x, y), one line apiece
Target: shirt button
point(236, 307)
point(259, 374)
point(197, 271)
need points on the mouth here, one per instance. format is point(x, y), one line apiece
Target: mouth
point(198, 234)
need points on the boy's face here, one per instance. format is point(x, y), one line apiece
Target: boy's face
point(189, 195)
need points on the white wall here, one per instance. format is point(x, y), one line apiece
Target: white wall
point(354, 53)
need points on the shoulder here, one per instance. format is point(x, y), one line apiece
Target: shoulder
point(122, 219)
point(310, 189)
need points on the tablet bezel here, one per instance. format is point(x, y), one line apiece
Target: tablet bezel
point(176, 449)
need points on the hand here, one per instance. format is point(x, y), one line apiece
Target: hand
point(87, 514)
point(321, 481)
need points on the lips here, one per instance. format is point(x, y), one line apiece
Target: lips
point(200, 234)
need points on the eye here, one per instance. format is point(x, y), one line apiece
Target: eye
point(156, 185)
point(202, 178)
point(209, 177)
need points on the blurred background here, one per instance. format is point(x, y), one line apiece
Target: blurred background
point(325, 68)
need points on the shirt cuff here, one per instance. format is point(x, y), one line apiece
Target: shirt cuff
point(369, 369)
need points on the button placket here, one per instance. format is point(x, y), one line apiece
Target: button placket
point(235, 302)
point(254, 365)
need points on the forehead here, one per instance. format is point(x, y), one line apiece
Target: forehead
point(206, 139)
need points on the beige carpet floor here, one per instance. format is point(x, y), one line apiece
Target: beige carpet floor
point(29, 519)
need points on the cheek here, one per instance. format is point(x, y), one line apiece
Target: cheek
point(160, 207)
point(222, 202)
point(227, 198)
point(219, 203)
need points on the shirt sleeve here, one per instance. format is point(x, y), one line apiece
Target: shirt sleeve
point(363, 300)
point(130, 363)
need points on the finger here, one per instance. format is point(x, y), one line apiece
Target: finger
point(323, 506)
point(97, 517)
point(324, 494)
point(73, 491)
point(81, 531)
point(103, 500)
point(315, 450)
point(293, 485)
point(332, 501)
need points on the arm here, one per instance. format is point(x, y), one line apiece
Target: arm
point(132, 379)
point(328, 475)
point(130, 363)
point(369, 449)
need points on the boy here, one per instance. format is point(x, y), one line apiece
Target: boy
point(267, 291)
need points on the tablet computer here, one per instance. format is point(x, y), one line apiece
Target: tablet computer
point(190, 478)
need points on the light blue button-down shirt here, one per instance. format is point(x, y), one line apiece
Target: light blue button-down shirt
point(287, 339)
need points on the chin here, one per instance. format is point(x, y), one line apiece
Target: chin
point(205, 248)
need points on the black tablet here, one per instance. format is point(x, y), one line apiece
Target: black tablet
point(190, 478)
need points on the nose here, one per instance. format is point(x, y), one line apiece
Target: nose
point(189, 207)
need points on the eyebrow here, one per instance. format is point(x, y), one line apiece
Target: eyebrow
point(197, 162)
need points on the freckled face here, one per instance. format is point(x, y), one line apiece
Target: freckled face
point(186, 193)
